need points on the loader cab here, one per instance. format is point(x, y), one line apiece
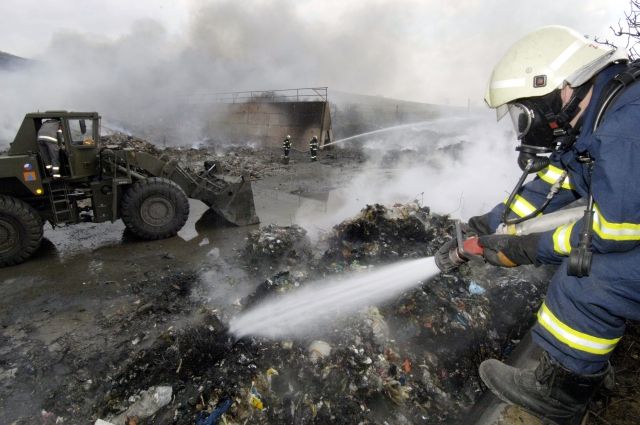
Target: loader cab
point(78, 149)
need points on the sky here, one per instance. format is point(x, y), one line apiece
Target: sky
point(432, 51)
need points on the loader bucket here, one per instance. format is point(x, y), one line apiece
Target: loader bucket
point(234, 203)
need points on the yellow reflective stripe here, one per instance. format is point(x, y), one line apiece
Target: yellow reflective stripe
point(573, 338)
point(614, 231)
point(552, 174)
point(521, 206)
point(562, 239)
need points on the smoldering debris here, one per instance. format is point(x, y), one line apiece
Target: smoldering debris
point(127, 141)
point(233, 160)
point(273, 247)
point(408, 361)
point(380, 234)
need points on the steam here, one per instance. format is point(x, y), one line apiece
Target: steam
point(457, 165)
point(302, 312)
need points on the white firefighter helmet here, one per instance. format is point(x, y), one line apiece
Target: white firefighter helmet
point(542, 61)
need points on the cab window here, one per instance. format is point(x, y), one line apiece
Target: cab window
point(81, 132)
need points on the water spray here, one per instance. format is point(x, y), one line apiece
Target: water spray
point(299, 312)
point(381, 130)
point(304, 310)
point(426, 123)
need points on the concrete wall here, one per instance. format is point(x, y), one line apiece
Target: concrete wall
point(267, 123)
point(354, 114)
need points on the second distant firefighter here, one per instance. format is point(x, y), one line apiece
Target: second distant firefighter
point(313, 148)
point(286, 147)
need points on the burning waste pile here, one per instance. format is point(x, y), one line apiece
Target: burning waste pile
point(380, 234)
point(276, 248)
point(410, 359)
point(126, 141)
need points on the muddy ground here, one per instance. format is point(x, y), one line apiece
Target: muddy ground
point(97, 317)
point(93, 295)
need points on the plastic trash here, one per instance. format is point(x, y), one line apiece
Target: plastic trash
point(255, 398)
point(318, 350)
point(149, 403)
point(270, 373)
point(215, 416)
point(475, 289)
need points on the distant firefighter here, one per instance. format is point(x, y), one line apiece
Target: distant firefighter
point(313, 148)
point(286, 147)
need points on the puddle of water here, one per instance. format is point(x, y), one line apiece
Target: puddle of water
point(280, 207)
point(91, 253)
point(78, 259)
point(196, 210)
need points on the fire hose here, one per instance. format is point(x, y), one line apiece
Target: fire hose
point(466, 249)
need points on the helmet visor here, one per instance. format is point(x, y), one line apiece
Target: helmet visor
point(522, 118)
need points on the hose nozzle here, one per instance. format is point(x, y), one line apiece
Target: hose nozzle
point(459, 251)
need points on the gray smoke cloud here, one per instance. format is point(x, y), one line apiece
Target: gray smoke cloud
point(147, 77)
point(411, 49)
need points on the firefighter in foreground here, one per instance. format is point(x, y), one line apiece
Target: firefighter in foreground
point(575, 107)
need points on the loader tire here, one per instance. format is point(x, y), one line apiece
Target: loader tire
point(20, 231)
point(154, 208)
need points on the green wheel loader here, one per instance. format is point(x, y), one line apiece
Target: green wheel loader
point(65, 177)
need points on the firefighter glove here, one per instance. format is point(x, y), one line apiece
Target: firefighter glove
point(510, 250)
point(479, 225)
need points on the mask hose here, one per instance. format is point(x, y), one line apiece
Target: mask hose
point(525, 172)
point(555, 188)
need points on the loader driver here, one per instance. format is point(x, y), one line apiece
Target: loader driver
point(48, 135)
point(578, 102)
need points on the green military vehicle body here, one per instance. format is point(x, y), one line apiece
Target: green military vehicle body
point(102, 183)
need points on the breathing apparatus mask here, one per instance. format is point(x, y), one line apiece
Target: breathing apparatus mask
point(542, 126)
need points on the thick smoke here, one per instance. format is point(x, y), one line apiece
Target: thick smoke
point(147, 78)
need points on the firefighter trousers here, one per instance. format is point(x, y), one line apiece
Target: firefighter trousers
point(582, 319)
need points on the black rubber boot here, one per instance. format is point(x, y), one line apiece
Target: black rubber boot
point(549, 391)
